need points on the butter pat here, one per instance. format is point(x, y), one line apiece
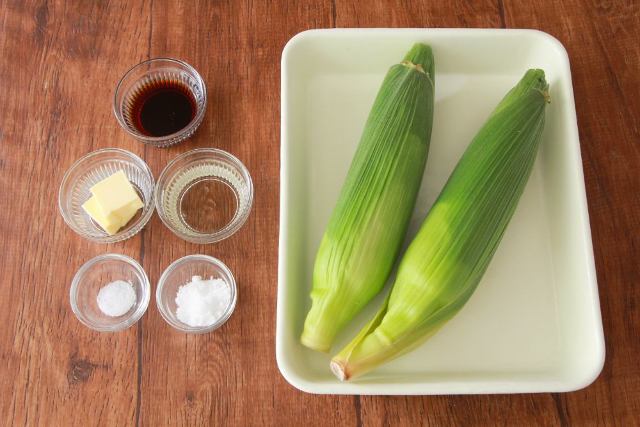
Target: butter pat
point(114, 202)
point(116, 195)
point(109, 223)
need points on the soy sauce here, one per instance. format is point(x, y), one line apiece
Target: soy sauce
point(162, 107)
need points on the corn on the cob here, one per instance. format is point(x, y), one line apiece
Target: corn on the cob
point(457, 240)
point(370, 219)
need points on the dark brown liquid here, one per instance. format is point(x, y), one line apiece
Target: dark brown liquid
point(162, 108)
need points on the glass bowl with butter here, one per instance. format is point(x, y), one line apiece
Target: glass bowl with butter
point(107, 195)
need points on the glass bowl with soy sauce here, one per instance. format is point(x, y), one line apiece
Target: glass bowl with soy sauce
point(161, 101)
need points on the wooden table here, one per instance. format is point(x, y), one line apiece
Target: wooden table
point(59, 65)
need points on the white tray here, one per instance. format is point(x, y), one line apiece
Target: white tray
point(533, 324)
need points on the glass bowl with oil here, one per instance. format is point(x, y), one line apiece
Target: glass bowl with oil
point(204, 195)
point(92, 168)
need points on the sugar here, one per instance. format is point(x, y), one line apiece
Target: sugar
point(116, 298)
point(202, 302)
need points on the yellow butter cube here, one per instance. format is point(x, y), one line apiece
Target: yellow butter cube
point(115, 195)
point(109, 223)
point(114, 202)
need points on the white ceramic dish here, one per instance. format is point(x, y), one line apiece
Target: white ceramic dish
point(534, 323)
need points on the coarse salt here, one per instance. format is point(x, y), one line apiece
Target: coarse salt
point(116, 298)
point(202, 302)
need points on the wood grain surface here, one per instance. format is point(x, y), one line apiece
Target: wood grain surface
point(59, 64)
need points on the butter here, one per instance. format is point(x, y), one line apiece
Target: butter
point(115, 194)
point(109, 223)
point(114, 202)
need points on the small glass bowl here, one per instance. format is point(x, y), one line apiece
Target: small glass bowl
point(194, 167)
point(179, 273)
point(95, 274)
point(93, 168)
point(150, 72)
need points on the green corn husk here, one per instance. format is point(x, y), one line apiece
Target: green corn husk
point(449, 255)
point(369, 222)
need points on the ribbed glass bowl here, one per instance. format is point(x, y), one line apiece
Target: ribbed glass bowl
point(196, 166)
point(95, 274)
point(147, 73)
point(93, 168)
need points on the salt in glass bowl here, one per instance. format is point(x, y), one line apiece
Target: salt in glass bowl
point(197, 167)
point(179, 273)
point(93, 168)
point(95, 274)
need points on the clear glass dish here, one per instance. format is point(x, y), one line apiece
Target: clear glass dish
point(93, 168)
point(95, 274)
point(204, 195)
point(148, 73)
point(179, 273)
